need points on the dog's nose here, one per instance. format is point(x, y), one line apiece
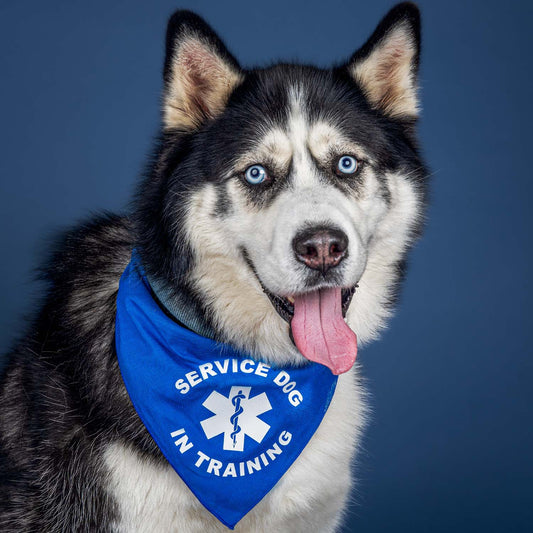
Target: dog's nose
point(320, 248)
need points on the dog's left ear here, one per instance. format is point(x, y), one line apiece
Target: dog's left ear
point(199, 74)
point(386, 67)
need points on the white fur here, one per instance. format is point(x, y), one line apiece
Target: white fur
point(368, 311)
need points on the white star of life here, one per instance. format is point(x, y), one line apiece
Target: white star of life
point(247, 420)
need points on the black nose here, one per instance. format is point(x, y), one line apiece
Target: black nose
point(320, 248)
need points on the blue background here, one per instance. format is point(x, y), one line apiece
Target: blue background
point(449, 447)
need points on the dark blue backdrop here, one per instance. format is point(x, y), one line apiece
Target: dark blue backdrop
point(450, 443)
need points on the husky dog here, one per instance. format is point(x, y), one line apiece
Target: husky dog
point(276, 214)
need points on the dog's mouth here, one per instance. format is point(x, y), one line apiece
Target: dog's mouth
point(285, 306)
point(317, 325)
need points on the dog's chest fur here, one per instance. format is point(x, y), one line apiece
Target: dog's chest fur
point(151, 497)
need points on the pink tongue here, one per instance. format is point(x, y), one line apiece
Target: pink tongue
point(320, 332)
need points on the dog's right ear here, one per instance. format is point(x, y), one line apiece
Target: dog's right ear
point(199, 74)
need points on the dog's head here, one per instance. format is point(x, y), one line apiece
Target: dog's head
point(285, 198)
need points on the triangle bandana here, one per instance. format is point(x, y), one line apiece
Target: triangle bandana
point(229, 425)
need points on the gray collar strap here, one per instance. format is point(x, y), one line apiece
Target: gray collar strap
point(182, 308)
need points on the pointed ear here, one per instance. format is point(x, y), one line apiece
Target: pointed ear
point(199, 75)
point(386, 67)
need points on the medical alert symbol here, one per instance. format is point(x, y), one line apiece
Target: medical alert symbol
point(236, 417)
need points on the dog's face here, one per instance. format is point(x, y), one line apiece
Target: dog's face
point(289, 195)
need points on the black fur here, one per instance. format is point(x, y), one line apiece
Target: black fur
point(62, 391)
point(62, 397)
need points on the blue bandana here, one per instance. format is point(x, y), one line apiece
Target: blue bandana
point(229, 425)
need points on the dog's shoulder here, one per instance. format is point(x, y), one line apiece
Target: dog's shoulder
point(57, 377)
point(75, 319)
point(93, 252)
point(76, 313)
point(80, 278)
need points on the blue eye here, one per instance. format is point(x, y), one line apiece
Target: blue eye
point(255, 174)
point(347, 164)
